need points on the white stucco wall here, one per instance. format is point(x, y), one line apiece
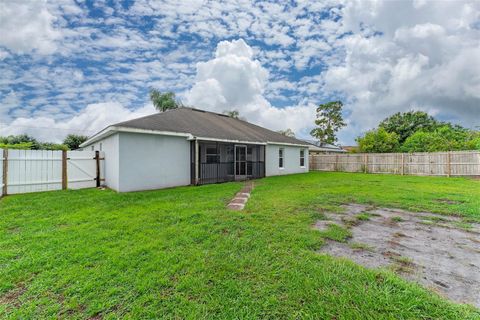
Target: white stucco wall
point(291, 160)
point(137, 161)
point(110, 148)
point(150, 161)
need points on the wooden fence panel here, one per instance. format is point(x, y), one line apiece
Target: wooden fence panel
point(325, 163)
point(44, 170)
point(461, 163)
point(454, 163)
point(350, 163)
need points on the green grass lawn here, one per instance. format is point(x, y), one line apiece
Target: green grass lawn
point(179, 253)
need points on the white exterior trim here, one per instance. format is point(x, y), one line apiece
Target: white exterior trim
point(112, 129)
point(227, 140)
point(288, 144)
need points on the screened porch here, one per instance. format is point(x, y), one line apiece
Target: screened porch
point(222, 162)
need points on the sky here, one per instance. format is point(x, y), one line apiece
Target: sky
point(77, 66)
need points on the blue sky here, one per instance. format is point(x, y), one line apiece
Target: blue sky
point(75, 66)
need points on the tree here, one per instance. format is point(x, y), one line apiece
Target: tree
point(26, 142)
point(329, 120)
point(287, 132)
point(407, 123)
point(21, 139)
point(19, 146)
point(444, 138)
point(232, 114)
point(379, 140)
point(164, 101)
point(52, 146)
point(73, 141)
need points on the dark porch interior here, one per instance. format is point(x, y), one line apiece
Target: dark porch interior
point(222, 162)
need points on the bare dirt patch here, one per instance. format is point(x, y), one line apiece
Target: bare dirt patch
point(430, 249)
point(12, 297)
point(449, 201)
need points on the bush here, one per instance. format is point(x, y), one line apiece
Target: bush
point(378, 140)
point(445, 138)
point(20, 146)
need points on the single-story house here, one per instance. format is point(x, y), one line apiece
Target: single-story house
point(190, 146)
point(324, 148)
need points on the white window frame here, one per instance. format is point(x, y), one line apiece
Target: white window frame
point(281, 158)
point(302, 158)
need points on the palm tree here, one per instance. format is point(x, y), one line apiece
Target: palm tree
point(287, 132)
point(232, 114)
point(163, 101)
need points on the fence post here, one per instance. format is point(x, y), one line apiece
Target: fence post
point(97, 160)
point(5, 172)
point(403, 164)
point(64, 170)
point(336, 162)
point(366, 162)
point(449, 164)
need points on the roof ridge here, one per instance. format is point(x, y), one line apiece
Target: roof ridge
point(244, 121)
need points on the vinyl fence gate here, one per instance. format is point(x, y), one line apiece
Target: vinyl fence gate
point(24, 171)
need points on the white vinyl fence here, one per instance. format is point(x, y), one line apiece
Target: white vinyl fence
point(453, 163)
point(1, 173)
point(25, 171)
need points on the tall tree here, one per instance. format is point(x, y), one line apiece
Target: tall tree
point(407, 123)
point(164, 101)
point(73, 141)
point(329, 120)
point(287, 132)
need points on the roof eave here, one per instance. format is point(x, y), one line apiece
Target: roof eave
point(98, 136)
point(228, 140)
point(113, 129)
point(288, 144)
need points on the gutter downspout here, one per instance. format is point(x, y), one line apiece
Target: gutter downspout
point(197, 180)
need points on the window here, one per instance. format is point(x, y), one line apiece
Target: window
point(211, 154)
point(100, 146)
point(280, 158)
point(302, 158)
point(93, 148)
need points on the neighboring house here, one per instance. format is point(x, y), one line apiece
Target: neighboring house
point(351, 149)
point(323, 148)
point(189, 146)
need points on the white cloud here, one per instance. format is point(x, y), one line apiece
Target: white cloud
point(27, 26)
point(403, 55)
point(379, 56)
point(3, 54)
point(235, 80)
point(87, 122)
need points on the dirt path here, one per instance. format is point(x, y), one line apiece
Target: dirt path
point(440, 252)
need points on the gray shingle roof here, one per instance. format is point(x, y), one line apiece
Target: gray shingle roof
point(200, 123)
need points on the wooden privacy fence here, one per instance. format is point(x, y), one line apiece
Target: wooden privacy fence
point(453, 163)
point(25, 171)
